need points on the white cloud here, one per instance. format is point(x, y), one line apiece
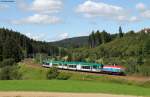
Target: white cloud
point(42, 6)
point(93, 9)
point(146, 14)
point(144, 11)
point(63, 36)
point(128, 19)
point(141, 7)
point(38, 36)
point(38, 19)
point(3, 6)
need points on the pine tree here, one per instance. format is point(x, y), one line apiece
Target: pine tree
point(106, 37)
point(1, 50)
point(98, 38)
point(90, 41)
point(93, 39)
point(146, 48)
point(120, 32)
point(12, 50)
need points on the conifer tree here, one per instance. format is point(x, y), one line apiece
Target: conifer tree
point(120, 32)
point(12, 50)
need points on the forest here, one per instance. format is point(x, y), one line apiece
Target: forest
point(15, 46)
point(130, 49)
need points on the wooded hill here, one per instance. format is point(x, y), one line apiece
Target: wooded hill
point(129, 49)
point(12, 41)
point(15, 46)
point(74, 42)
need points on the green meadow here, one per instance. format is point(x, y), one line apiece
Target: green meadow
point(73, 86)
point(34, 79)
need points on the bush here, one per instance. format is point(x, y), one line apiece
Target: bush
point(7, 62)
point(145, 70)
point(63, 76)
point(52, 73)
point(9, 73)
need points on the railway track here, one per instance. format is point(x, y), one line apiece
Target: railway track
point(32, 64)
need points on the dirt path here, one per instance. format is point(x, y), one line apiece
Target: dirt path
point(49, 94)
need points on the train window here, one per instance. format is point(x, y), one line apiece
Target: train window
point(86, 67)
point(55, 64)
point(72, 66)
point(65, 64)
point(94, 67)
point(46, 63)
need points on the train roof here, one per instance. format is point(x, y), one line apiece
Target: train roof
point(74, 63)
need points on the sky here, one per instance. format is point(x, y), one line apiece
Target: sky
point(52, 20)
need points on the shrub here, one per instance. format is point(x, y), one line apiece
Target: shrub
point(63, 76)
point(145, 70)
point(52, 73)
point(7, 62)
point(9, 73)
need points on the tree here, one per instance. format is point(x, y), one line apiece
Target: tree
point(106, 37)
point(10, 73)
point(12, 50)
point(90, 41)
point(120, 32)
point(7, 62)
point(140, 60)
point(93, 39)
point(146, 48)
point(1, 50)
point(52, 73)
point(98, 38)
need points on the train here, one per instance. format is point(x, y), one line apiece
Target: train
point(87, 67)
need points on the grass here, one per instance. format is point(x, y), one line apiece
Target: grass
point(34, 79)
point(29, 73)
point(38, 73)
point(73, 86)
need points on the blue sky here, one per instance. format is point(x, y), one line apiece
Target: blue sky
point(52, 20)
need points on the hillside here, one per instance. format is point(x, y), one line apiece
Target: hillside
point(132, 51)
point(72, 42)
point(28, 47)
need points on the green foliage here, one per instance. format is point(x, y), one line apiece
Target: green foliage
point(63, 76)
point(131, 51)
point(9, 70)
point(146, 47)
point(97, 38)
point(7, 62)
point(120, 32)
point(31, 73)
point(1, 50)
point(52, 73)
point(11, 50)
point(145, 70)
point(14, 43)
point(74, 42)
point(9, 73)
point(39, 57)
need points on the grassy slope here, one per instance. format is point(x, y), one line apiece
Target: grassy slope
point(34, 73)
point(35, 80)
point(72, 86)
